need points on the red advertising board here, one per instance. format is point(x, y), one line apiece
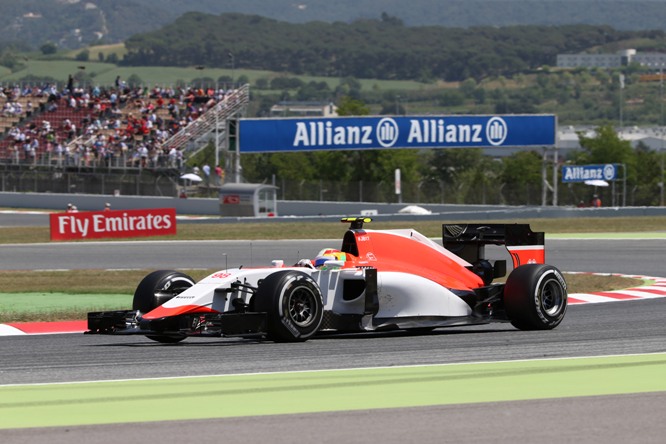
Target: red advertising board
point(232, 199)
point(111, 224)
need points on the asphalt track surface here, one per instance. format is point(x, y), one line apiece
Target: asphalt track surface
point(629, 256)
point(598, 420)
point(11, 218)
point(588, 330)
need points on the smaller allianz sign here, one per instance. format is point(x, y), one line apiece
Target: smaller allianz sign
point(112, 224)
point(582, 173)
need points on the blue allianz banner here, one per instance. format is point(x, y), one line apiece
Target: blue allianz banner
point(582, 173)
point(353, 133)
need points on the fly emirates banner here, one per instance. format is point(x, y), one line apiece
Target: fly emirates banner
point(104, 224)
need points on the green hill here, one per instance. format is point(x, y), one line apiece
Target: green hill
point(379, 48)
point(75, 23)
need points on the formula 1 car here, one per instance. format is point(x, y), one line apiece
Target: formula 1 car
point(378, 280)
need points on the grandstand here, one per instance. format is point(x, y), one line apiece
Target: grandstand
point(114, 130)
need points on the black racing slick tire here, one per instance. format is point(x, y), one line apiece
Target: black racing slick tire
point(535, 297)
point(293, 304)
point(157, 288)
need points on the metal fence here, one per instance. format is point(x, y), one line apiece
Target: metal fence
point(478, 193)
point(137, 181)
point(140, 183)
point(431, 192)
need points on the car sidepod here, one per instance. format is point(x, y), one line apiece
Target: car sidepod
point(411, 301)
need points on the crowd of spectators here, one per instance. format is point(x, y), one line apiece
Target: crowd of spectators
point(97, 126)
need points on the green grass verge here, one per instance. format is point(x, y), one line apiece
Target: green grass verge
point(42, 307)
point(24, 305)
point(29, 296)
point(47, 405)
point(50, 283)
point(578, 227)
point(45, 288)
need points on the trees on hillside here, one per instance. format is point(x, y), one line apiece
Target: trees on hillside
point(383, 49)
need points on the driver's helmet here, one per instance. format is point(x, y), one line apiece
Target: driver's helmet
point(329, 254)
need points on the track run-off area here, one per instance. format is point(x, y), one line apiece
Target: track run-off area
point(609, 353)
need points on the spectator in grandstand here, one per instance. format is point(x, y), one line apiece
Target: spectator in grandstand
point(28, 151)
point(595, 202)
point(70, 129)
point(34, 146)
point(143, 153)
point(83, 97)
point(115, 111)
point(113, 99)
point(206, 172)
point(148, 125)
point(13, 93)
point(219, 175)
point(16, 134)
point(59, 151)
point(173, 108)
point(106, 140)
point(124, 148)
point(180, 160)
point(8, 109)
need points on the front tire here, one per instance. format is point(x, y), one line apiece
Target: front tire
point(157, 288)
point(293, 303)
point(535, 297)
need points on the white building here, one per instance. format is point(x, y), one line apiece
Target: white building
point(304, 109)
point(652, 137)
point(589, 61)
point(621, 58)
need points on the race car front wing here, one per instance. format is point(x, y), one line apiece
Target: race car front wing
point(129, 322)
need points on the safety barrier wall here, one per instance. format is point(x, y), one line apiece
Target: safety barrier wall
point(315, 210)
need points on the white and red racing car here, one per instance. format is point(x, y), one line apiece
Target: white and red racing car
point(378, 280)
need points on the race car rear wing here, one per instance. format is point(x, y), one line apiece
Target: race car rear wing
point(468, 241)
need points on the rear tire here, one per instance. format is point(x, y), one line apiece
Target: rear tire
point(293, 303)
point(157, 288)
point(535, 297)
